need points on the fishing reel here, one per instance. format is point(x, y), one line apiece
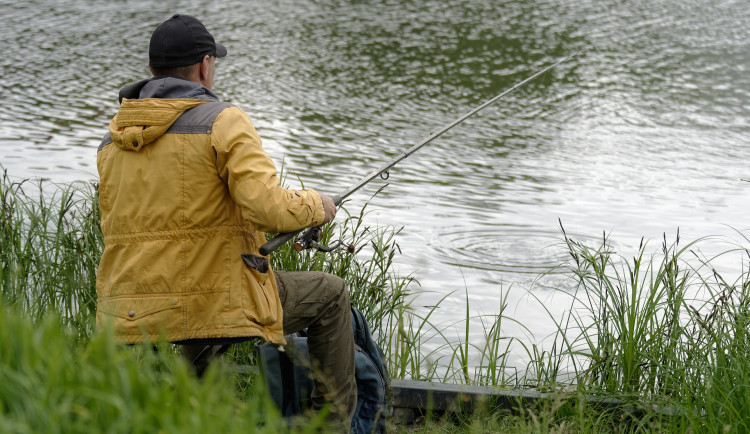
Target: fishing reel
point(310, 239)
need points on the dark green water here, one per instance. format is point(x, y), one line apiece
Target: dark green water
point(645, 131)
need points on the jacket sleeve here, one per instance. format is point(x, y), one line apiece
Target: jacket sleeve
point(252, 179)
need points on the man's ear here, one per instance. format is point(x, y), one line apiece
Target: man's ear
point(204, 67)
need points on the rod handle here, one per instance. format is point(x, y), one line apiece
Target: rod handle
point(276, 242)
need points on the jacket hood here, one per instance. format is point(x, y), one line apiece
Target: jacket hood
point(156, 104)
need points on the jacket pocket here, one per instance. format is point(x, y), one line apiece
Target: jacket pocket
point(261, 304)
point(299, 209)
point(135, 308)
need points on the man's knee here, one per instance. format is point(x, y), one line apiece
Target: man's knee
point(313, 298)
point(333, 287)
point(330, 281)
point(339, 288)
point(337, 295)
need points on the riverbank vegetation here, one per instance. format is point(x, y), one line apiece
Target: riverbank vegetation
point(654, 342)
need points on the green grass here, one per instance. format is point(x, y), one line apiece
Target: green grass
point(49, 383)
point(660, 327)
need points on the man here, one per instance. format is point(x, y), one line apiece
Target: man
point(186, 194)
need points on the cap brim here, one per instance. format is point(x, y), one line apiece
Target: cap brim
point(221, 50)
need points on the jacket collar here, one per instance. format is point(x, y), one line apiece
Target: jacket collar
point(167, 87)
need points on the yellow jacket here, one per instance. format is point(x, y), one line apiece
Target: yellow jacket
point(185, 190)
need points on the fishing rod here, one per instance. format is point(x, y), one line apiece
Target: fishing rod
point(311, 237)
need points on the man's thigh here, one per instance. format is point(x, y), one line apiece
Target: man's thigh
point(305, 294)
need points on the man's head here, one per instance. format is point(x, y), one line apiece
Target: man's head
point(182, 46)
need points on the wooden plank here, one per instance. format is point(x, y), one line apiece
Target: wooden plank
point(425, 395)
point(411, 399)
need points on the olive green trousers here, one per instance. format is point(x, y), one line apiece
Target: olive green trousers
point(319, 302)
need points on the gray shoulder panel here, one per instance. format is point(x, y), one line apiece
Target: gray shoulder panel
point(199, 119)
point(105, 141)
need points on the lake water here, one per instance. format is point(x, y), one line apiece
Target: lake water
point(646, 130)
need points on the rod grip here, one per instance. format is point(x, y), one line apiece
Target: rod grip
point(276, 242)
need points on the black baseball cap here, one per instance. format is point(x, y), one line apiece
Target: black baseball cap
point(181, 41)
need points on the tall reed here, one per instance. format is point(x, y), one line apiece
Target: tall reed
point(717, 393)
point(50, 243)
point(632, 320)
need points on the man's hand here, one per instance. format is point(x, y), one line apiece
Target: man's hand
point(329, 207)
